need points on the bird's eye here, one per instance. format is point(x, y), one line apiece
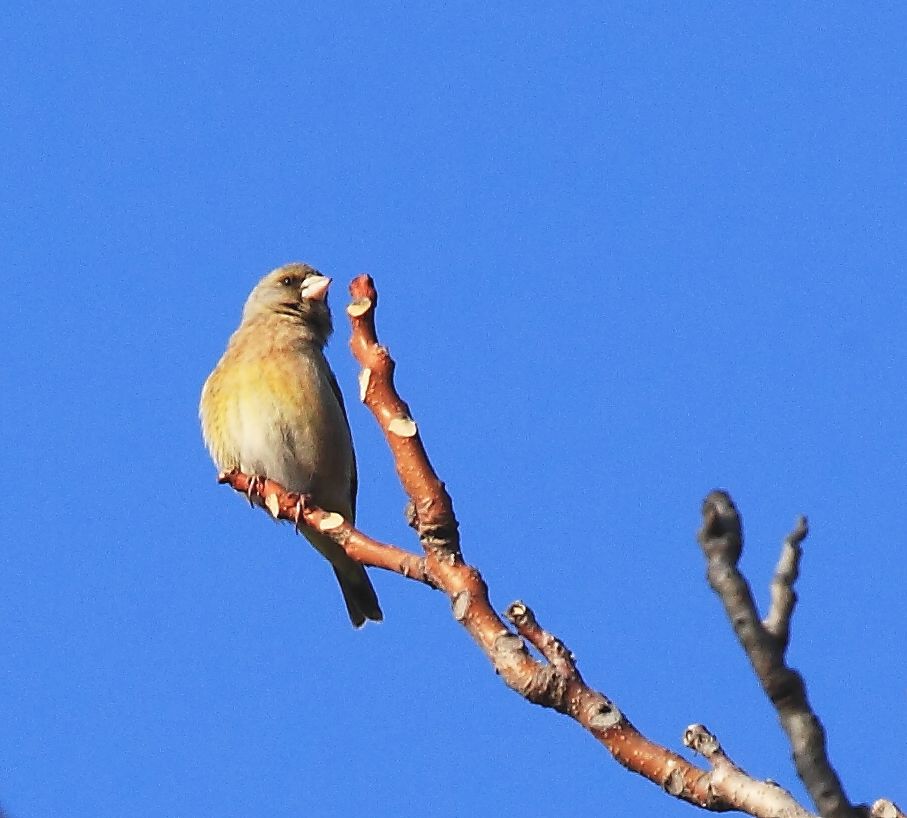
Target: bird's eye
point(287, 281)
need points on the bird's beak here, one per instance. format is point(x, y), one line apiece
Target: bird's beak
point(315, 288)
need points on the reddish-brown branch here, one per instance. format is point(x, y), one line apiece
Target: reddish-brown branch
point(556, 682)
point(283, 505)
point(433, 516)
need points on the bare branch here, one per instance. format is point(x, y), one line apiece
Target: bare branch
point(558, 684)
point(777, 622)
point(543, 684)
point(287, 505)
point(432, 510)
point(554, 681)
point(721, 539)
point(763, 798)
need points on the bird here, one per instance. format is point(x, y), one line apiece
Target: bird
point(272, 408)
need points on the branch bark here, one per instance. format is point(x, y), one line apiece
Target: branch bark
point(765, 643)
point(431, 511)
point(751, 796)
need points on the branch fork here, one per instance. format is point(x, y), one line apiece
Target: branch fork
point(766, 641)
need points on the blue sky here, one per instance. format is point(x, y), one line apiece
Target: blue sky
point(626, 253)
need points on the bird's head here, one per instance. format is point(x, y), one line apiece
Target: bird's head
point(297, 293)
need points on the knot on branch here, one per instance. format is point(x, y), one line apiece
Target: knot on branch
point(433, 520)
point(548, 688)
point(784, 685)
point(606, 715)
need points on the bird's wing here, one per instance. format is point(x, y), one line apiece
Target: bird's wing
point(354, 478)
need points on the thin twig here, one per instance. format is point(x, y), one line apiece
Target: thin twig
point(556, 652)
point(777, 621)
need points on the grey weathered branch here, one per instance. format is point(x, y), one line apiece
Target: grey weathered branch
point(777, 622)
point(721, 539)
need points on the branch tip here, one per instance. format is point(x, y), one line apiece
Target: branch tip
point(800, 531)
point(518, 614)
point(702, 741)
point(721, 526)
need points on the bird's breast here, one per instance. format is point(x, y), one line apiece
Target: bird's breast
point(279, 416)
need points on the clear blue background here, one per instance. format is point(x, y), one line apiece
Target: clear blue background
point(626, 253)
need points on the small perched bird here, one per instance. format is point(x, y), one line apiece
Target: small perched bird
point(272, 408)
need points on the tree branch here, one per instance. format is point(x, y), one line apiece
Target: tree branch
point(289, 506)
point(721, 539)
point(752, 797)
point(555, 681)
point(777, 622)
point(431, 513)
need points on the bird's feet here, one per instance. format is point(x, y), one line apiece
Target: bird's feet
point(255, 483)
point(303, 504)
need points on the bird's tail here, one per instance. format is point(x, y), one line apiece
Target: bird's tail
point(358, 593)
